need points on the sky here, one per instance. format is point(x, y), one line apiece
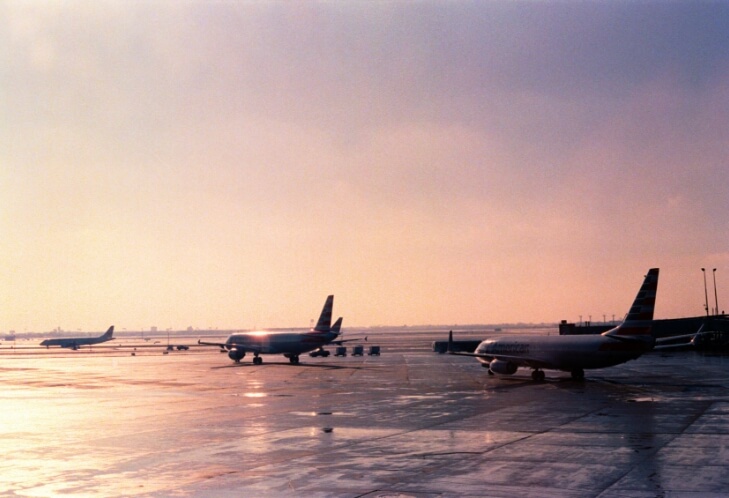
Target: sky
point(230, 164)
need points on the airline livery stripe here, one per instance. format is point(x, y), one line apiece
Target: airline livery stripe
point(639, 319)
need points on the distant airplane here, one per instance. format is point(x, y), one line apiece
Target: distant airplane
point(77, 342)
point(574, 353)
point(291, 343)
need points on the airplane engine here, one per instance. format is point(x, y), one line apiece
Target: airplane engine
point(236, 355)
point(503, 367)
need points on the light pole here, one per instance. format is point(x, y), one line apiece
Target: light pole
point(716, 298)
point(706, 294)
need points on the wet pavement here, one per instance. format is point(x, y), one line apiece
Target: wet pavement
point(407, 423)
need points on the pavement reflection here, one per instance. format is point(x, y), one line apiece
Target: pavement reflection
point(409, 422)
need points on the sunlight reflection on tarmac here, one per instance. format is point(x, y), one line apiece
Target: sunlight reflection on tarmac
point(407, 423)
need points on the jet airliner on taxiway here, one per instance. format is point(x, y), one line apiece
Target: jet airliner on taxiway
point(574, 353)
point(291, 343)
point(77, 342)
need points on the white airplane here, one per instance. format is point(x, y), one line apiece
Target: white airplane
point(77, 342)
point(291, 343)
point(575, 353)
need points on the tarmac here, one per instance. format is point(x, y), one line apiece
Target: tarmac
point(407, 423)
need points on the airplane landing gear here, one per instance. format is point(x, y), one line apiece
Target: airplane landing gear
point(294, 360)
point(538, 376)
point(257, 360)
point(578, 374)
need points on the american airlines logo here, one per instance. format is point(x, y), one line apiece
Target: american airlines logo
point(507, 348)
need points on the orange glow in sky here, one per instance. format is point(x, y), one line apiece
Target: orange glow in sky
point(225, 164)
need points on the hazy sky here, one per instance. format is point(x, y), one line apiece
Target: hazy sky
point(229, 164)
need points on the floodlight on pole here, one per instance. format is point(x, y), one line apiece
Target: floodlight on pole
point(716, 298)
point(706, 294)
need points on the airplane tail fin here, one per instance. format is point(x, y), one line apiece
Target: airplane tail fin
point(337, 327)
point(109, 333)
point(639, 320)
point(325, 319)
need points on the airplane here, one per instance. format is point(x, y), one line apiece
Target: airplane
point(76, 342)
point(291, 343)
point(574, 353)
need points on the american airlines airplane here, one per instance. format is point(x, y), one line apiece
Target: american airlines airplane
point(291, 344)
point(77, 342)
point(575, 353)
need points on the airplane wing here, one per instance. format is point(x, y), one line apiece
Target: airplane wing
point(221, 345)
point(340, 341)
point(681, 345)
point(674, 337)
point(661, 343)
point(473, 355)
point(668, 342)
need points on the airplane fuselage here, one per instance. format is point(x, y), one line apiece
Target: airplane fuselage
point(563, 352)
point(71, 343)
point(290, 343)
